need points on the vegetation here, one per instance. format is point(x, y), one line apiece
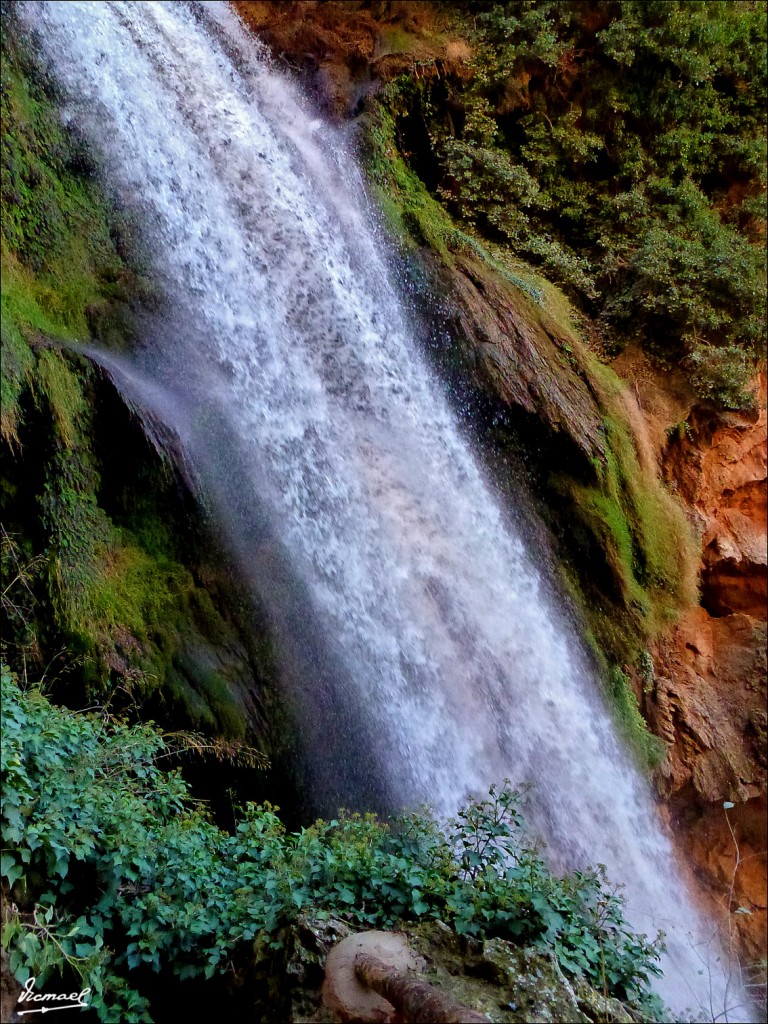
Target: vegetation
point(620, 147)
point(641, 532)
point(112, 586)
point(615, 147)
point(66, 272)
point(117, 869)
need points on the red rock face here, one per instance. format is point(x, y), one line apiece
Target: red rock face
point(721, 473)
point(712, 848)
point(709, 699)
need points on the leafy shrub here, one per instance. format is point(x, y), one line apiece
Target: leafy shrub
point(722, 375)
point(159, 885)
point(619, 147)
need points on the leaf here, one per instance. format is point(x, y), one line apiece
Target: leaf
point(9, 930)
point(7, 861)
point(14, 873)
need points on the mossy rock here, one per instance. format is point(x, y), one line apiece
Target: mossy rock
point(509, 984)
point(505, 982)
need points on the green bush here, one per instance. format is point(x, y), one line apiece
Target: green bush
point(722, 376)
point(165, 888)
point(620, 147)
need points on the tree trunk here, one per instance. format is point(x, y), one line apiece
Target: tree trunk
point(417, 1002)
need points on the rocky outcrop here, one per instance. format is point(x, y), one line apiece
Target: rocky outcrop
point(719, 466)
point(708, 703)
point(522, 356)
point(345, 48)
point(503, 982)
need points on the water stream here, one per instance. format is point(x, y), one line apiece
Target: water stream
point(424, 655)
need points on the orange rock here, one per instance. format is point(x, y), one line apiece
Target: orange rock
point(709, 699)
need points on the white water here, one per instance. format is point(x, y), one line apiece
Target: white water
point(396, 583)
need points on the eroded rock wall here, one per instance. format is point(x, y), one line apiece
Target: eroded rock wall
point(707, 697)
point(709, 701)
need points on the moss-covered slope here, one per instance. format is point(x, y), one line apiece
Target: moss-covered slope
point(110, 583)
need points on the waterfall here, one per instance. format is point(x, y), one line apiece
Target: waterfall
point(421, 649)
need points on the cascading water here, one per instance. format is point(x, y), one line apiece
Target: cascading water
point(397, 586)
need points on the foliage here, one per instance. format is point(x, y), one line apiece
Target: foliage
point(621, 148)
point(722, 375)
point(123, 871)
point(650, 748)
point(66, 272)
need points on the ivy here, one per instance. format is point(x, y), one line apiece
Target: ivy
point(159, 885)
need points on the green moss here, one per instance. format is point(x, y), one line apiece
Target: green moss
point(649, 748)
point(15, 362)
point(642, 530)
point(116, 586)
point(630, 557)
point(410, 212)
point(130, 589)
point(60, 261)
point(397, 40)
point(63, 269)
point(55, 383)
point(205, 688)
point(117, 592)
point(107, 591)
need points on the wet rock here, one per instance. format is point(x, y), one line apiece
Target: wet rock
point(598, 1007)
point(536, 987)
point(523, 357)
